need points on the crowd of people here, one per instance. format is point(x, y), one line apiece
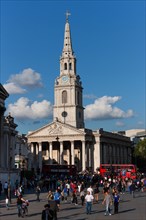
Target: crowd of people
point(87, 192)
point(81, 189)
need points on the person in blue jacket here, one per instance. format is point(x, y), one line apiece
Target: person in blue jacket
point(57, 196)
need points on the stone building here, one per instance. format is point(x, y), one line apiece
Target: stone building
point(66, 140)
point(3, 96)
point(21, 152)
point(7, 142)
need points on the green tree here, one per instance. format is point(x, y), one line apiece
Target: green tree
point(140, 149)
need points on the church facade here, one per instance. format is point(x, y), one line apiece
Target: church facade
point(66, 140)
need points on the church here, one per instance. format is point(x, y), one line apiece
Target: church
point(66, 140)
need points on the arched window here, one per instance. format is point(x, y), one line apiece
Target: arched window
point(70, 66)
point(65, 66)
point(64, 97)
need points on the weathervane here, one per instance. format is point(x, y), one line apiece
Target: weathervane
point(67, 15)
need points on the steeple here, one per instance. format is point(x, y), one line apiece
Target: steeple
point(67, 59)
point(68, 106)
point(67, 49)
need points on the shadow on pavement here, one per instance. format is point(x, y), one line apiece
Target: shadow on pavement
point(127, 210)
point(8, 214)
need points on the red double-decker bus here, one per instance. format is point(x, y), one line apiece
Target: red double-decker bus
point(119, 170)
point(57, 169)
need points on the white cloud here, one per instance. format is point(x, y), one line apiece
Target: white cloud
point(26, 78)
point(12, 88)
point(103, 108)
point(23, 108)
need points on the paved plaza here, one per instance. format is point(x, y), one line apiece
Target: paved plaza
point(129, 209)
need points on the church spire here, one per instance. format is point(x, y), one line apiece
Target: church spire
point(68, 106)
point(67, 59)
point(67, 48)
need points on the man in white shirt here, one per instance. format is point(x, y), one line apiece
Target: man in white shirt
point(89, 200)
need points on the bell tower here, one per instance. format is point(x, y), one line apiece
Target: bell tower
point(68, 103)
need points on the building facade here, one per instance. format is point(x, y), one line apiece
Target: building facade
point(7, 142)
point(66, 140)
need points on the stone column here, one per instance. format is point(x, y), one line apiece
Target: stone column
point(83, 155)
point(72, 154)
point(50, 152)
point(90, 154)
point(47, 153)
point(31, 148)
point(92, 161)
point(40, 156)
point(61, 153)
point(37, 149)
point(87, 154)
point(104, 152)
point(35, 162)
point(32, 154)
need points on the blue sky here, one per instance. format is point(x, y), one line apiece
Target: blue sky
point(108, 39)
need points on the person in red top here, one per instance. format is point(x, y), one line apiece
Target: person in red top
point(74, 193)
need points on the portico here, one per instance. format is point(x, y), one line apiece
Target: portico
point(68, 146)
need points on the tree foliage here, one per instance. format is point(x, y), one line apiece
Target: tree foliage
point(140, 149)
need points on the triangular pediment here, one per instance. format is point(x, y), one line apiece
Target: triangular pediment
point(56, 128)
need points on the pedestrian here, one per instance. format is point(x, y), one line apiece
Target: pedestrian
point(105, 188)
point(116, 199)
point(68, 188)
point(7, 202)
point(132, 189)
point(38, 190)
point(50, 195)
point(57, 197)
point(107, 201)
point(47, 213)
point(1, 188)
point(82, 196)
point(19, 202)
point(6, 188)
point(96, 192)
point(64, 193)
point(89, 200)
point(74, 197)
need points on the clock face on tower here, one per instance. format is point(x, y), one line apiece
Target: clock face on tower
point(64, 114)
point(65, 79)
